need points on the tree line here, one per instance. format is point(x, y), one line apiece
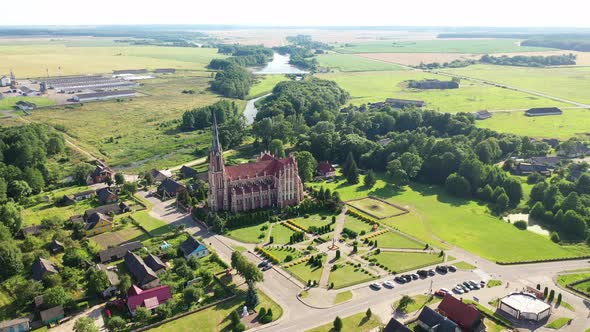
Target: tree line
point(530, 61)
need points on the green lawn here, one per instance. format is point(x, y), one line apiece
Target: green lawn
point(566, 279)
point(478, 46)
point(346, 62)
point(264, 84)
point(420, 301)
point(394, 240)
point(281, 253)
point(250, 234)
point(357, 225)
point(305, 272)
point(314, 220)
point(33, 215)
point(464, 266)
point(343, 297)
point(434, 215)
point(494, 283)
point(348, 275)
point(572, 123)
point(583, 287)
point(153, 225)
point(375, 207)
point(281, 234)
point(374, 86)
point(354, 323)
point(8, 103)
point(558, 323)
point(405, 261)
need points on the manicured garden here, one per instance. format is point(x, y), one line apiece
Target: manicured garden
point(250, 234)
point(317, 220)
point(347, 275)
point(281, 234)
point(305, 271)
point(394, 240)
point(375, 207)
point(357, 225)
point(404, 261)
point(281, 253)
point(355, 323)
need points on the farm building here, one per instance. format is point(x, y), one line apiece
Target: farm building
point(28, 92)
point(433, 84)
point(165, 71)
point(55, 247)
point(482, 115)
point(116, 253)
point(141, 272)
point(89, 82)
point(149, 299)
point(129, 71)
point(5, 81)
point(83, 195)
point(550, 161)
point(528, 168)
point(160, 176)
point(542, 111)
point(401, 103)
point(524, 306)
point(15, 325)
point(188, 172)
point(467, 317)
point(41, 267)
point(192, 247)
point(25, 105)
point(107, 195)
point(104, 95)
point(170, 188)
point(52, 315)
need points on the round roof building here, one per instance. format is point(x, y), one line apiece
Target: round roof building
point(525, 306)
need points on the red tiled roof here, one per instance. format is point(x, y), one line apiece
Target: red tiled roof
point(325, 167)
point(137, 297)
point(465, 315)
point(267, 164)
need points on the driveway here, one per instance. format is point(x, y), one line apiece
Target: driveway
point(94, 313)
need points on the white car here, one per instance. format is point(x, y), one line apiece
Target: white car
point(458, 290)
point(388, 284)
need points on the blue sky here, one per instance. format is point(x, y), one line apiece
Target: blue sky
point(541, 13)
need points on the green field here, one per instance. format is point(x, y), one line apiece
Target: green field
point(153, 225)
point(34, 214)
point(348, 275)
point(249, 234)
point(357, 225)
point(375, 86)
point(305, 272)
point(354, 323)
point(558, 323)
point(375, 207)
point(346, 62)
point(569, 83)
point(464, 266)
point(394, 240)
point(566, 279)
point(477, 46)
point(314, 220)
point(572, 123)
point(8, 103)
point(264, 84)
point(281, 253)
point(95, 55)
point(420, 301)
point(435, 215)
point(405, 261)
point(281, 234)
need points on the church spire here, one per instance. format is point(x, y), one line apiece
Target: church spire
point(216, 146)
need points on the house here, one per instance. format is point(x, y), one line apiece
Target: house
point(129, 71)
point(188, 172)
point(431, 321)
point(5, 81)
point(467, 317)
point(66, 200)
point(25, 105)
point(52, 315)
point(41, 267)
point(108, 210)
point(550, 162)
point(15, 325)
point(402, 103)
point(577, 151)
point(155, 263)
point(150, 298)
point(165, 71)
point(433, 84)
point(113, 280)
point(160, 176)
point(107, 195)
point(575, 174)
point(384, 141)
point(143, 274)
point(32, 230)
point(103, 95)
point(326, 170)
point(553, 142)
point(527, 168)
point(116, 253)
point(395, 326)
point(482, 115)
point(83, 195)
point(124, 207)
point(97, 223)
point(55, 247)
point(170, 188)
point(542, 111)
point(100, 174)
point(192, 247)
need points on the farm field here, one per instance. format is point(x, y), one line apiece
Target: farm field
point(405, 261)
point(356, 323)
point(375, 207)
point(348, 275)
point(435, 215)
point(281, 234)
point(95, 55)
point(395, 241)
point(346, 62)
point(374, 86)
point(572, 123)
point(414, 59)
point(8, 103)
point(249, 234)
point(477, 46)
point(264, 84)
point(565, 82)
point(304, 271)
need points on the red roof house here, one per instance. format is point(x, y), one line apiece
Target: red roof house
point(326, 169)
point(150, 299)
point(465, 315)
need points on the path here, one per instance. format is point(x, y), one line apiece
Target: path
point(94, 313)
point(331, 258)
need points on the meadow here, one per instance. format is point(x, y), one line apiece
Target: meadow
point(33, 58)
point(435, 216)
point(375, 86)
point(479, 46)
point(264, 84)
point(9, 103)
point(249, 234)
point(346, 62)
point(572, 123)
point(570, 83)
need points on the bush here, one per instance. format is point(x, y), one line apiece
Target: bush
point(521, 224)
point(555, 237)
point(262, 312)
point(239, 327)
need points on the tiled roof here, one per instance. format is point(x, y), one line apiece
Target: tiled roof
point(170, 186)
point(94, 219)
point(325, 167)
point(142, 273)
point(190, 245)
point(42, 266)
point(465, 315)
point(265, 165)
point(136, 297)
point(118, 252)
point(154, 262)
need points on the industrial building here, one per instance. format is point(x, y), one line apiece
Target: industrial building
point(104, 95)
point(90, 82)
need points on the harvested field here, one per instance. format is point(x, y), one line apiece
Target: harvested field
point(414, 59)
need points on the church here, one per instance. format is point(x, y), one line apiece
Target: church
point(268, 182)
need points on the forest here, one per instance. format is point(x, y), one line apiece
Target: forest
point(530, 61)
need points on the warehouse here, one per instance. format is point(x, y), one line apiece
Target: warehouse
point(104, 95)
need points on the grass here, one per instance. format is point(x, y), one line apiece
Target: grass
point(583, 287)
point(345, 62)
point(566, 279)
point(420, 301)
point(394, 240)
point(6, 299)
point(34, 214)
point(494, 283)
point(357, 323)
point(405, 261)
point(127, 233)
point(479, 46)
point(375, 207)
point(153, 225)
point(343, 297)
point(348, 275)
point(435, 216)
point(264, 84)
point(465, 266)
point(305, 272)
point(375, 86)
point(357, 225)
point(558, 323)
point(567, 306)
point(281, 253)
point(8, 103)
point(314, 220)
point(249, 234)
point(281, 234)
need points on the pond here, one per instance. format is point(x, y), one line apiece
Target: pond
point(280, 65)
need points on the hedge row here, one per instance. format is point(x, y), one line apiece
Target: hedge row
point(361, 217)
point(297, 262)
point(372, 235)
point(291, 227)
point(263, 252)
point(543, 260)
point(296, 225)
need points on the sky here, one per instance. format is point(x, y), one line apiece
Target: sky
point(495, 13)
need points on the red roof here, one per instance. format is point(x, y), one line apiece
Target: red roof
point(325, 167)
point(151, 298)
point(465, 315)
point(266, 164)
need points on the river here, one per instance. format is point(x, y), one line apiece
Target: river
point(250, 110)
point(280, 65)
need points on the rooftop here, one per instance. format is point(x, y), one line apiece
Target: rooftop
point(525, 302)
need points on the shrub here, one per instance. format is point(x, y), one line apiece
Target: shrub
point(306, 216)
point(288, 258)
point(555, 237)
point(239, 327)
point(262, 312)
point(520, 224)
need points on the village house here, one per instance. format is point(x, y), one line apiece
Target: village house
point(149, 299)
point(325, 170)
point(101, 174)
point(160, 176)
point(192, 247)
point(5, 81)
point(155, 263)
point(188, 172)
point(16, 325)
point(113, 277)
point(52, 315)
point(395, 325)
point(528, 168)
point(83, 195)
point(55, 247)
point(107, 195)
point(25, 105)
point(542, 111)
point(143, 275)
point(97, 223)
point(467, 317)
point(32, 230)
point(579, 150)
point(482, 115)
point(109, 210)
point(118, 252)
point(431, 321)
point(41, 267)
point(550, 161)
point(170, 188)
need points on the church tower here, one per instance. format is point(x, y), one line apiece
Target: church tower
point(217, 192)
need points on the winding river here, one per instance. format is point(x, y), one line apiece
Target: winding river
point(279, 65)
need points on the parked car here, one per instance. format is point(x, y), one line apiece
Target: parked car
point(263, 264)
point(474, 284)
point(407, 277)
point(267, 267)
point(451, 268)
point(399, 280)
point(422, 273)
point(458, 290)
point(431, 272)
point(375, 286)
point(468, 285)
point(482, 284)
point(441, 269)
point(441, 292)
point(388, 284)
point(414, 276)
point(465, 289)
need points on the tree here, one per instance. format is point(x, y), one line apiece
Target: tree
point(411, 163)
point(338, 254)
point(545, 292)
point(245, 268)
point(148, 178)
point(369, 313)
point(370, 179)
point(404, 302)
point(513, 189)
point(551, 296)
point(81, 173)
point(55, 296)
point(191, 294)
point(10, 216)
point(502, 202)
point(10, 260)
point(458, 186)
point(19, 189)
point(353, 173)
point(98, 281)
point(306, 164)
point(116, 324)
point(85, 324)
point(337, 324)
point(119, 179)
point(251, 296)
point(400, 178)
point(276, 148)
point(347, 164)
point(555, 237)
point(130, 188)
point(142, 315)
point(124, 283)
point(558, 302)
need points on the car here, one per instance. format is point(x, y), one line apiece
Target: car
point(482, 284)
point(388, 284)
point(465, 289)
point(422, 273)
point(468, 285)
point(375, 286)
point(263, 264)
point(431, 272)
point(458, 290)
point(474, 284)
point(407, 277)
point(451, 268)
point(441, 292)
point(399, 280)
point(414, 276)
point(267, 267)
point(441, 269)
